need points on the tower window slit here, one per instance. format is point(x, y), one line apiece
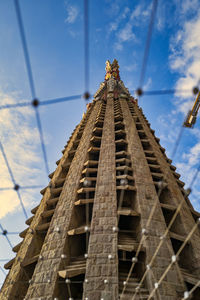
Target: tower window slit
point(122, 147)
point(165, 197)
point(127, 199)
point(139, 126)
point(94, 156)
point(89, 195)
point(77, 245)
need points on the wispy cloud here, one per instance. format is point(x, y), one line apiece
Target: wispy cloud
point(147, 84)
point(188, 5)
point(72, 13)
point(22, 145)
point(124, 26)
point(130, 67)
point(185, 59)
point(114, 25)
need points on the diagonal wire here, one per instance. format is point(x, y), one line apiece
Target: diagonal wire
point(161, 92)
point(25, 48)
point(8, 106)
point(4, 259)
point(7, 164)
point(21, 187)
point(12, 178)
point(195, 176)
point(148, 222)
point(31, 187)
point(193, 289)
point(8, 240)
point(30, 77)
point(58, 100)
point(176, 144)
point(164, 92)
point(12, 233)
point(176, 256)
point(86, 43)
point(3, 270)
point(22, 204)
point(39, 125)
point(148, 42)
point(43, 102)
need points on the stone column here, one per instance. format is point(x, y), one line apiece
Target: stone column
point(46, 271)
point(102, 262)
point(146, 197)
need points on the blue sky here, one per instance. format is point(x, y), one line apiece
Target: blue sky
point(55, 37)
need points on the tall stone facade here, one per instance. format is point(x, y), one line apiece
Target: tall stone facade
point(104, 215)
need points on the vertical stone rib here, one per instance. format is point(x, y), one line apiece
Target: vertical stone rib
point(103, 240)
point(187, 221)
point(13, 282)
point(47, 268)
point(146, 196)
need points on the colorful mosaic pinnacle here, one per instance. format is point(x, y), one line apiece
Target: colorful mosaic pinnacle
point(112, 70)
point(115, 221)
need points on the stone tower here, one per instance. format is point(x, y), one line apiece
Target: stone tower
point(99, 232)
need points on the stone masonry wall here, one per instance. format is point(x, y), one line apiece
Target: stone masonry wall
point(103, 240)
point(146, 197)
point(186, 220)
point(12, 284)
point(53, 246)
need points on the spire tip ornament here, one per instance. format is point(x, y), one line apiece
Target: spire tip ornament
point(112, 70)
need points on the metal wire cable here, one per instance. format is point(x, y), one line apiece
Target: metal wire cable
point(43, 102)
point(195, 176)
point(175, 214)
point(4, 259)
point(148, 42)
point(161, 242)
point(193, 289)
point(15, 105)
point(86, 43)
point(164, 92)
point(12, 233)
point(3, 271)
point(175, 258)
point(86, 69)
point(12, 178)
point(5, 234)
point(149, 221)
point(176, 144)
point(25, 47)
point(161, 92)
point(30, 77)
point(59, 100)
point(22, 187)
point(76, 97)
point(39, 125)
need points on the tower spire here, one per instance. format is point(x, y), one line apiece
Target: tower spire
point(112, 70)
point(114, 218)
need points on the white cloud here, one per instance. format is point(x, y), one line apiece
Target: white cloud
point(21, 143)
point(72, 13)
point(130, 67)
point(148, 84)
point(185, 59)
point(135, 18)
point(140, 14)
point(113, 26)
point(126, 33)
point(189, 5)
point(193, 155)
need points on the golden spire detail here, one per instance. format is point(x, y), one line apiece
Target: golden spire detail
point(112, 70)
